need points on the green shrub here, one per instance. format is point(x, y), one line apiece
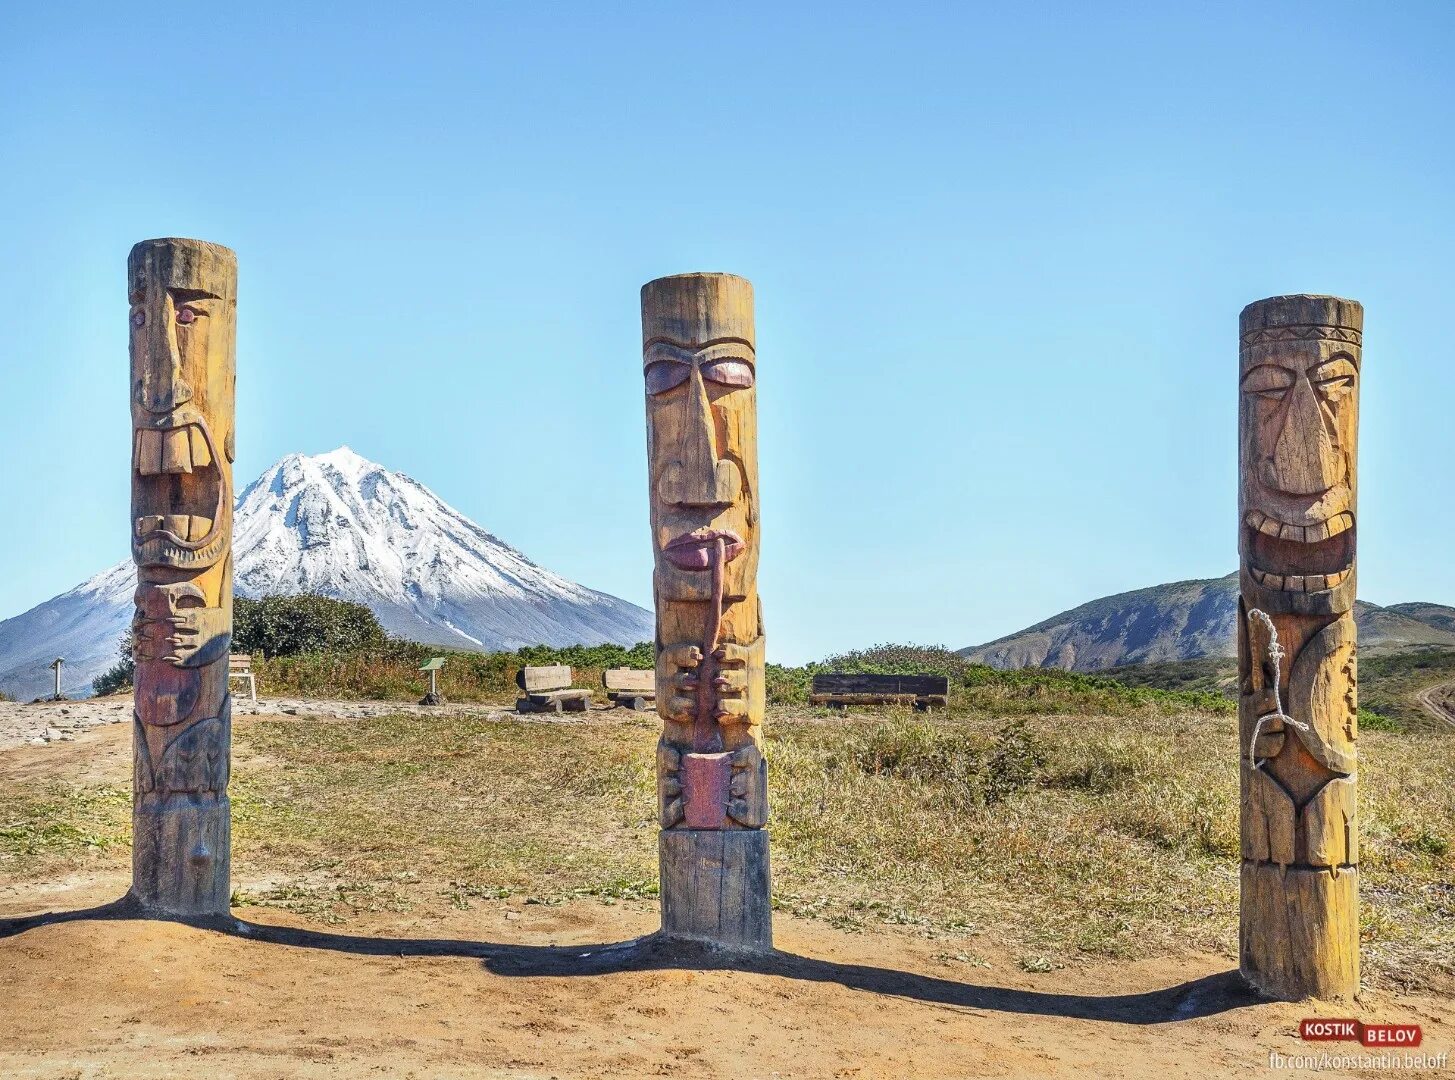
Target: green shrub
point(290, 625)
point(119, 677)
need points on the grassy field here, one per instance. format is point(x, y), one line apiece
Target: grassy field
point(1058, 820)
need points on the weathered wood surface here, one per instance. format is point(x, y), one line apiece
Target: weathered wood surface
point(716, 887)
point(918, 701)
point(240, 662)
point(633, 680)
point(1300, 360)
point(555, 701)
point(918, 691)
point(546, 677)
point(699, 365)
point(183, 296)
point(856, 683)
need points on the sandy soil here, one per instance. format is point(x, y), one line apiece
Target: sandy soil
point(512, 990)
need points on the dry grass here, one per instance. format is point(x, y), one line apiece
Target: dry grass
point(1059, 836)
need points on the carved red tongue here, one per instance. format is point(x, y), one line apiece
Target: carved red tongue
point(695, 551)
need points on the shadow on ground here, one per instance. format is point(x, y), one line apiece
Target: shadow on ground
point(1206, 996)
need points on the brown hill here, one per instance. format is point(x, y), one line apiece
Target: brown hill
point(1185, 620)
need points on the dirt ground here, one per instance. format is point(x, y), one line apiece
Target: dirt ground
point(508, 989)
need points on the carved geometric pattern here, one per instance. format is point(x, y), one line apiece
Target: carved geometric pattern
point(1302, 333)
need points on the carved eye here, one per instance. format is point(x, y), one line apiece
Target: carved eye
point(186, 315)
point(1334, 378)
point(664, 375)
point(138, 317)
point(1268, 382)
point(728, 372)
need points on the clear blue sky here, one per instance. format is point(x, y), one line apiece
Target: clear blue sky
point(999, 256)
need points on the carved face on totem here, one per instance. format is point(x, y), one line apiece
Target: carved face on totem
point(700, 369)
point(1298, 422)
point(183, 308)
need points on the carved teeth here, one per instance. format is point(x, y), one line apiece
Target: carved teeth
point(1339, 523)
point(171, 450)
point(189, 528)
point(201, 456)
point(1258, 521)
point(1300, 582)
point(148, 452)
point(176, 451)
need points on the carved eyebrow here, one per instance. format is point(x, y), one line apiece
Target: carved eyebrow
point(1337, 358)
point(660, 351)
point(697, 346)
point(677, 352)
point(188, 295)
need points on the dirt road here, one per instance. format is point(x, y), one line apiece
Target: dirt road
point(1439, 702)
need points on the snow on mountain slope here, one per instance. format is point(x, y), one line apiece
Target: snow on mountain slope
point(342, 526)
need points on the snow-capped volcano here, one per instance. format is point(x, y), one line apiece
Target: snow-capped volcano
point(342, 526)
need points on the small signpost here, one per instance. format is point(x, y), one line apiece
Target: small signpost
point(432, 665)
point(56, 667)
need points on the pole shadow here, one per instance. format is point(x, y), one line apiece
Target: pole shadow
point(1205, 996)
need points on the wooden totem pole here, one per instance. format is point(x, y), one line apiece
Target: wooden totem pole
point(1298, 421)
point(183, 297)
point(702, 451)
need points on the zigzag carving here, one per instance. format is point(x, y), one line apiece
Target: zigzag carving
point(1302, 333)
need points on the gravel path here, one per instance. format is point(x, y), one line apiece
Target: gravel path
point(60, 721)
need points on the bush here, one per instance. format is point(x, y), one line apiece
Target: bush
point(118, 678)
point(290, 625)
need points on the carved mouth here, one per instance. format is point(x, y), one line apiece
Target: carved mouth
point(694, 550)
point(1300, 558)
point(180, 476)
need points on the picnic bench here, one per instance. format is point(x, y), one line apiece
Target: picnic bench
point(548, 689)
point(923, 692)
point(630, 688)
point(240, 666)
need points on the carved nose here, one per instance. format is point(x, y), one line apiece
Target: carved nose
point(699, 477)
point(1306, 458)
point(163, 386)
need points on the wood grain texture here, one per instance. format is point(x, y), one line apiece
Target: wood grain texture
point(633, 680)
point(911, 685)
point(183, 296)
point(1300, 360)
point(716, 887)
point(545, 677)
point(700, 368)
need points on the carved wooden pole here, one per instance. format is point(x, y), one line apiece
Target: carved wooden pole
point(702, 451)
point(1298, 423)
point(183, 319)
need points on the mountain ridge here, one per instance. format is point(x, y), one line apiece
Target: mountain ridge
point(340, 525)
point(1184, 620)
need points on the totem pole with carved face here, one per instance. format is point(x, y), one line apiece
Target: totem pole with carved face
point(702, 450)
point(183, 326)
point(1298, 421)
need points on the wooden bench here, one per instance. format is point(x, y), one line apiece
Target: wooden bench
point(548, 689)
point(630, 688)
point(240, 666)
point(923, 692)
